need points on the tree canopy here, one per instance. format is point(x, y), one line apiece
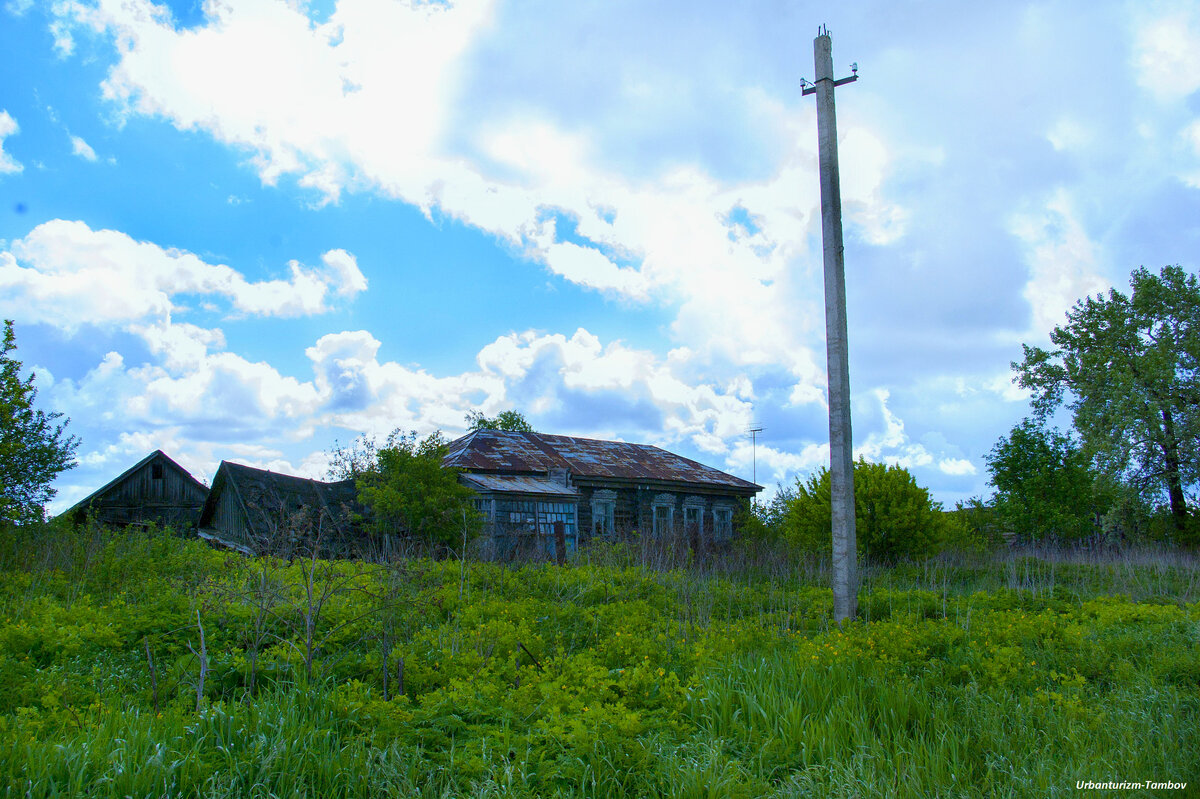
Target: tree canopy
point(1128, 368)
point(34, 445)
point(513, 421)
point(1045, 486)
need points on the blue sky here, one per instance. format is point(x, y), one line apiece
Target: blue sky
point(248, 229)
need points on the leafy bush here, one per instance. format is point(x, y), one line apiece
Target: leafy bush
point(893, 516)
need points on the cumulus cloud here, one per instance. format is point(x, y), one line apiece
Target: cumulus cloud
point(320, 102)
point(65, 274)
point(82, 149)
point(8, 127)
point(1063, 262)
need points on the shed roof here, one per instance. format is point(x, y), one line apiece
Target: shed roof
point(519, 484)
point(507, 451)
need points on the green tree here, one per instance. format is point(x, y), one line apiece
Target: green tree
point(34, 445)
point(512, 421)
point(1045, 486)
point(1128, 367)
point(894, 517)
point(409, 491)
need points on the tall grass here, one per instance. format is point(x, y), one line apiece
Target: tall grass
point(613, 676)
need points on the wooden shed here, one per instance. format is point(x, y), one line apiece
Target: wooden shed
point(256, 511)
point(155, 489)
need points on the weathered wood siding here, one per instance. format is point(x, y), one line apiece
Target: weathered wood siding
point(229, 519)
point(156, 492)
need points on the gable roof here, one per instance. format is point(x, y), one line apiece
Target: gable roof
point(157, 454)
point(507, 451)
point(263, 495)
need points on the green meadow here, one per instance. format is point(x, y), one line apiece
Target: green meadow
point(146, 664)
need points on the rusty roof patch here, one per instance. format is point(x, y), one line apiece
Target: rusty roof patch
point(504, 451)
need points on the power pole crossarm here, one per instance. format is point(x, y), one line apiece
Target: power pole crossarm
point(841, 447)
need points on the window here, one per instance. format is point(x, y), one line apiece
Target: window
point(722, 524)
point(664, 514)
point(693, 522)
point(156, 471)
point(604, 511)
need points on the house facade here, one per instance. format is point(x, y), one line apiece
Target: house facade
point(539, 491)
point(154, 490)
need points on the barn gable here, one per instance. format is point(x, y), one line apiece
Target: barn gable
point(155, 489)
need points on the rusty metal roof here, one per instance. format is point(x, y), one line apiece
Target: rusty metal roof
point(504, 451)
point(519, 484)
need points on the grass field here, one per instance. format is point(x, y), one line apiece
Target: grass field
point(149, 665)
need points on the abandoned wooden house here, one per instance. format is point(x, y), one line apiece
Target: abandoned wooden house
point(256, 511)
point(536, 488)
point(154, 490)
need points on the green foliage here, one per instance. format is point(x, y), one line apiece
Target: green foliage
point(409, 491)
point(1128, 367)
point(589, 681)
point(512, 421)
point(764, 521)
point(1045, 487)
point(34, 446)
point(893, 516)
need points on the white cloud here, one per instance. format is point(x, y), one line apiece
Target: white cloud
point(956, 466)
point(890, 444)
point(82, 149)
point(322, 103)
point(8, 127)
point(1167, 53)
point(1062, 261)
point(66, 274)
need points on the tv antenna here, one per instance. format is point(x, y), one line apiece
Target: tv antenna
point(754, 430)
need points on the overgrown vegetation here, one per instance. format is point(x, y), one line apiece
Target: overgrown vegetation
point(145, 664)
point(407, 490)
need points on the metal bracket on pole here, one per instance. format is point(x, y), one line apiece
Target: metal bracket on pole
point(812, 88)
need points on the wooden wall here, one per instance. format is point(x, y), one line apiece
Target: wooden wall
point(168, 499)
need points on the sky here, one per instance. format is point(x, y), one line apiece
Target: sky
point(254, 230)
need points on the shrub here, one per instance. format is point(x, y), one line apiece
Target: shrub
point(894, 517)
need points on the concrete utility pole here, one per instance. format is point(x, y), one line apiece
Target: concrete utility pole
point(841, 449)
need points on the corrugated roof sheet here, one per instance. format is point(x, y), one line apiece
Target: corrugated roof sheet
point(504, 451)
point(519, 484)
